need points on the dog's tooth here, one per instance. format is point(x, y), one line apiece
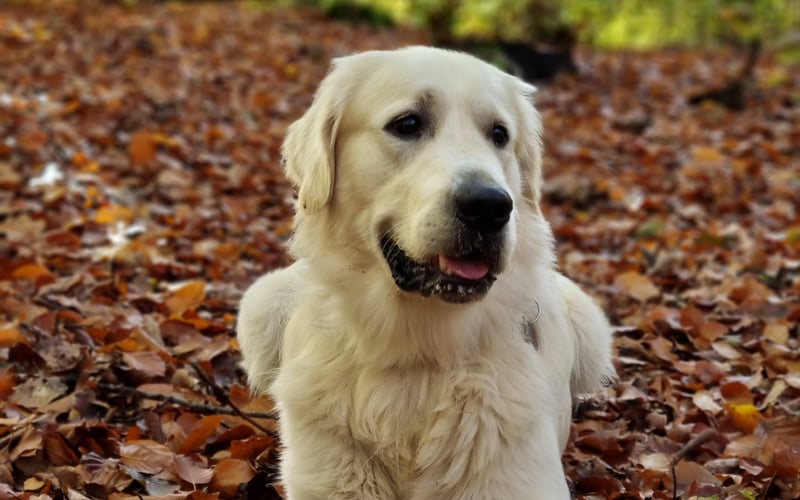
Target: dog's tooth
point(444, 265)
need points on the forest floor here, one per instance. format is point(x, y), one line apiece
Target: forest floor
point(141, 192)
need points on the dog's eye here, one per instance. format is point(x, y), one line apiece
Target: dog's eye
point(499, 136)
point(406, 126)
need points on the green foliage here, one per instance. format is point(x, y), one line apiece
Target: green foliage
point(638, 24)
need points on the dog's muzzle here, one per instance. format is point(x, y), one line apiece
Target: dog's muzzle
point(466, 270)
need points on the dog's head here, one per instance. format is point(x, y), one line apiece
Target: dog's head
point(425, 159)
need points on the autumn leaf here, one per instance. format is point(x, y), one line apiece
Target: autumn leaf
point(113, 213)
point(203, 429)
point(188, 296)
point(142, 192)
point(141, 148)
point(148, 363)
point(192, 470)
point(33, 272)
point(11, 336)
point(636, 285)
point(744, 416)
point(147, 456)
point(229, 474)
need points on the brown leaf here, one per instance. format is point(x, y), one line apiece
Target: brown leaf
point(148, 363)
point(29, 444)
point(692, 472)
point(37, 392)
point(192, 470)
point(229, 474)
point(636, 285)
point(201, 431)
point(147, 456)
point(713, 330)
point(58, 451)
point(142, 148)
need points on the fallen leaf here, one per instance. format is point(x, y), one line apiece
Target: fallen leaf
point(229, 474)
point(744, 416)
point(188, 296)
point(147, 456)
point(192, 471)
point(202, 430)
point(37, 392)
point(148, 363)
point(636, 285)
point(11, 336)
point(142, 148)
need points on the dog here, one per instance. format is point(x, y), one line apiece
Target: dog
point(423, 345)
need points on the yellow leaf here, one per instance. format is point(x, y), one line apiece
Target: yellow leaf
point(744, 416)
point(113, 213)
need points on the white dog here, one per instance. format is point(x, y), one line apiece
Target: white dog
point(423, 346)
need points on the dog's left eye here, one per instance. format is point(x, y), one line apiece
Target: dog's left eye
point(499, 136)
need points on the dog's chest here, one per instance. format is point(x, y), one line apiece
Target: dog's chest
point(452, 421)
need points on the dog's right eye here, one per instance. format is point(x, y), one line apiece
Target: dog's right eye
point(406, 127)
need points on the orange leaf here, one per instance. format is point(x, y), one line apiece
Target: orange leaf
point(188, 296)
point(201, 431)
point(229, 474)
point(142, 147)
point(6, 385)
point(31, 272)
point(744, 416)
point(251, 448)
point(9, 337)
point(113, 213)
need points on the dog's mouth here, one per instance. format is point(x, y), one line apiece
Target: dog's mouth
point(456, 277)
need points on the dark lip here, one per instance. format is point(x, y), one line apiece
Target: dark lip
point(426, 279)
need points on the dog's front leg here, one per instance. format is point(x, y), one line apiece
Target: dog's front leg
point(321, 465)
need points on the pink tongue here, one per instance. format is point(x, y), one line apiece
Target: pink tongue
point(463, 268)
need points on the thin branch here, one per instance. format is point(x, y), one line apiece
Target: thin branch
point(700, 439)
point(222, 396)
point(203, 408)
point(11, 436)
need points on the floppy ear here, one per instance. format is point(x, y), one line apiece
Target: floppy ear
point(529, 147)
point(309, 149)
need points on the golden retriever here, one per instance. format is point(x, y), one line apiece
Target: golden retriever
point(423, 346)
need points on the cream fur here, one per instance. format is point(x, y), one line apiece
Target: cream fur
point(389, 395)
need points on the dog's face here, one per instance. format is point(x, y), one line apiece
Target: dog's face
point(425, 158)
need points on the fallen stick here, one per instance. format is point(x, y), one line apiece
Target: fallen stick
point(204, 408)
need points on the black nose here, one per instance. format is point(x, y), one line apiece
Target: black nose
point(483, 208)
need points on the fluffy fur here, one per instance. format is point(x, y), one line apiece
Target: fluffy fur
point(389, 394)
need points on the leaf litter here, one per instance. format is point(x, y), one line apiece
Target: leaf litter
point(142, 192)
